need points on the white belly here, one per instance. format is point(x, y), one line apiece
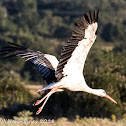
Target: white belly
point(73, 82)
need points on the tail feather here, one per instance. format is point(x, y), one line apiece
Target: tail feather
point(50, 86)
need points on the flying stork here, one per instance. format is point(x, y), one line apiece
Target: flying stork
point(67, 73)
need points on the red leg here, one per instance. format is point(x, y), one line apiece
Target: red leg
point(39, 101)
point(46, 97)
point(40, 109)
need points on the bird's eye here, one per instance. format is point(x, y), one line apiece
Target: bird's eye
point(104, 92)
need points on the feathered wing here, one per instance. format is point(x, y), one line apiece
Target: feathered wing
point(75, 51)
point(46, 63)
point(73, 55)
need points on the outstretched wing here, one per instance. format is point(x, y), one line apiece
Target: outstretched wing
point(46, 63)
point(75, 51)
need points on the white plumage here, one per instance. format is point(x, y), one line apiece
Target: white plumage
point(67, 73)
point(53, 60)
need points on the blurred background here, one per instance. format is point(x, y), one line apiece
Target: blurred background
point(45, 25)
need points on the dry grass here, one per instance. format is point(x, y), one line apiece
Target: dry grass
point(65, 122)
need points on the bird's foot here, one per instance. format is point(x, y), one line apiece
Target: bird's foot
point(40, 109)
point(39, 101)
point(36, 103)
point(46, 97)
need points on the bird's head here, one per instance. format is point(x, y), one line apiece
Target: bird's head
point(102, 93)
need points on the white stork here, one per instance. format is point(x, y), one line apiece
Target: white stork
point(67, 73)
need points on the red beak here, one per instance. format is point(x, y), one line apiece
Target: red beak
point(107, 96)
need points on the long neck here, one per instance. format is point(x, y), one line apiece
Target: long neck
point(92, 91)
point(87, 89)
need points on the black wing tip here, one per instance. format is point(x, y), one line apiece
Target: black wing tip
point(81, 25)
point(96, 19)
point(12, 45)
point(16, 45)
point(91, 17)
point(10, 50)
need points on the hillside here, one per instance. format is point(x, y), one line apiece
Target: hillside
point(45, 25)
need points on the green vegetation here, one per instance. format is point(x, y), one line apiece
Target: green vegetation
point(45, 25)
point(13, 91)
point(23, 115)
